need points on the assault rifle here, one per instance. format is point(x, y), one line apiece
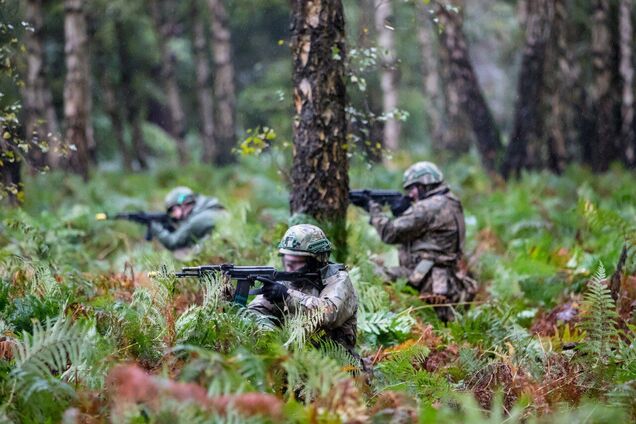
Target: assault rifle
point(144, 218)
point(247, 276)
point(396, 200)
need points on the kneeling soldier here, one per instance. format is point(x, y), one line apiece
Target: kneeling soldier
point(430, 235)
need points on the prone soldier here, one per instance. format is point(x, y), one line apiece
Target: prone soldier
point(193, 217)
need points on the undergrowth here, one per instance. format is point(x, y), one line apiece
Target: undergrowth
point(544, 341)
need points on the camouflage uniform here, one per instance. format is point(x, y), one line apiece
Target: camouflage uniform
point(336, 296)
point(431, 236)
point(198, 224)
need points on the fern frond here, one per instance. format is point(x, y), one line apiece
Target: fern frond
point(600, 319)
point(301, 325)
point(600, 219)
point(46, 353)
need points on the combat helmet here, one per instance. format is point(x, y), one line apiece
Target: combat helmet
point(425, 173)
point(179, 196)
point(305, 240)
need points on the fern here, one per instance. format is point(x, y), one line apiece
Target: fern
point(298, 327)
point(46, 353)
point(599, 321)
point(385, 326)
point(601, 219)
point(312, 374)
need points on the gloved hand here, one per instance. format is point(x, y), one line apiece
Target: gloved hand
point(273, 290)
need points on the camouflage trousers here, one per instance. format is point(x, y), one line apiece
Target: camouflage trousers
point(440, 285)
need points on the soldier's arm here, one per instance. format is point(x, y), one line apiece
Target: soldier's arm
point(188, 233)
point(264, 307)
point(401, 229)
point(337, 300)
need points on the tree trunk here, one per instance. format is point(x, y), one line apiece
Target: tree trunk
point(561, 78)
point(164, 26)
point(320, 182)
point(463, 80)
point(388, 74)
point(77, 95)
point(134, 104)
point(111, 105)
point(204, 92)
point(626, 70)
point(37, 101)
point(431, 79)
point(603, 150)
point(526, 140)
point(224, 88)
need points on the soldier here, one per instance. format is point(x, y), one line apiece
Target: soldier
point(430, 235)
point(193, 217)
point(305, 247)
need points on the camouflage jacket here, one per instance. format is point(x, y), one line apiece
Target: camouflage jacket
point(432, 229)
point(197, 225)
point(337, 299)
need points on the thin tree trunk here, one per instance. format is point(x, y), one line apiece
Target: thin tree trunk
point(224, 88)
point(77, 96)
point(134, 104)
point(40, 121)
point(431, 79)
point(204, 93)
point(164, 24)
point(524, 149)
point(113, 110)
point(320, 182)
point(561, 77)
point(603, 151)
point(389, 73)
point(463, 79)
point(626, 70)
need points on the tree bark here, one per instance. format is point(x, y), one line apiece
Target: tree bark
point(77, 95)
point(320, 182)
point(224, 88)
point(463, 80)
point(205, 98)
point(603, 150)
point(526, 140)
point(626, 71)
point(388, 73)
point(164, 26)
point(40, 119)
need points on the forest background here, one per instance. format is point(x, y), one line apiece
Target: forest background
point(527, 107)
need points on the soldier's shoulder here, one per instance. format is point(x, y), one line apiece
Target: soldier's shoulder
point(334, 272)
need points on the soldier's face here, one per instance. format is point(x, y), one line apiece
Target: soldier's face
point(180, 212)
point(413, 192)
point(292, 263)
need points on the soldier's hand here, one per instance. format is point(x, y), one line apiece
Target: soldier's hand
point(273, 290)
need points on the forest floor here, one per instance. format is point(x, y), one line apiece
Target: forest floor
point(88, 336)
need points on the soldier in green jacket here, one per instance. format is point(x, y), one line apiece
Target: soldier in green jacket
point(430, 235)
point(193, 217)
point(305, 247)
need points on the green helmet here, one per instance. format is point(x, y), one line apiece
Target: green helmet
point(422, 172)
point(179, 196)
point(305, 240)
